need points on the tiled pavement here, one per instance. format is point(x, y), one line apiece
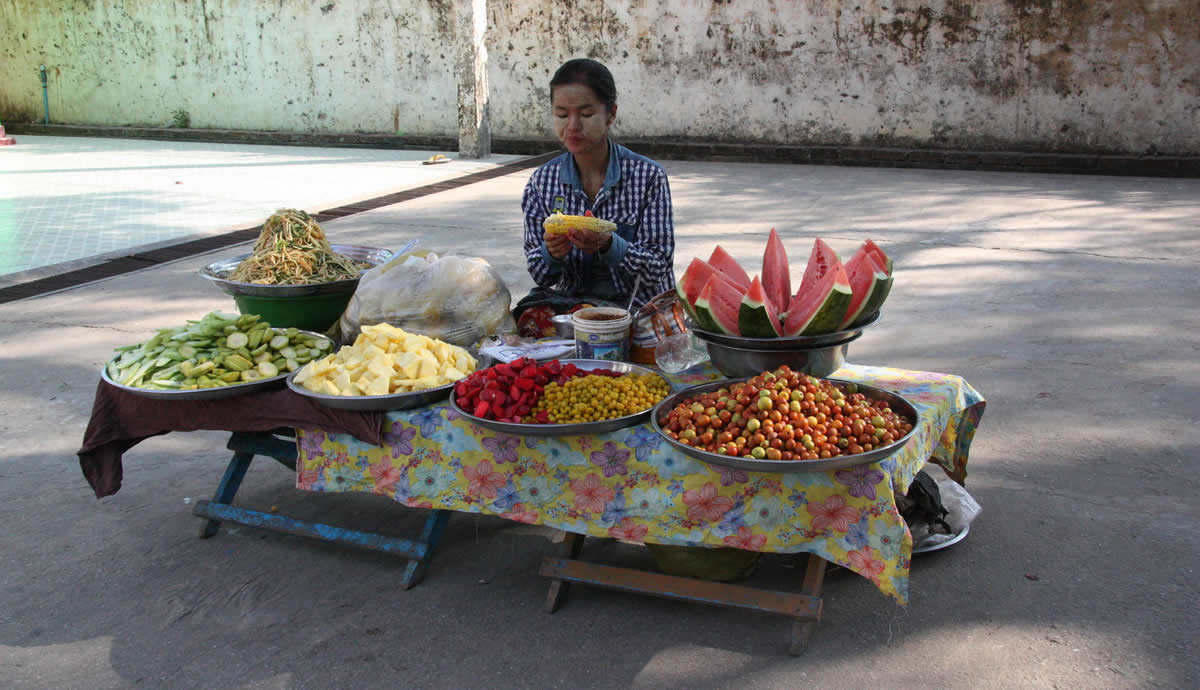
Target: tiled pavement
point(66, 202)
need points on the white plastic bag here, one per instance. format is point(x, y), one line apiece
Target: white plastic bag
point(455, 299)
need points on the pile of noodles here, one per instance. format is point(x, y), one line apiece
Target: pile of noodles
point(292, 250)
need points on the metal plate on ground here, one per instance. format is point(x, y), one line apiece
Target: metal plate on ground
point(896, 402)
point(799, 342)
point(232, 390)
point(376, 403)
point(926, 545)
point(580, 429)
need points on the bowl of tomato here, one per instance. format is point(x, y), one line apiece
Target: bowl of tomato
point(783, 420)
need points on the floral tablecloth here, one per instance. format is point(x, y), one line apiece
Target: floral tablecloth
point(632, 485)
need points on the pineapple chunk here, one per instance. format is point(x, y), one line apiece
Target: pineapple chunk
point(429, 365)
point(381, 385)
point(407, 364)
point(305, 373)
point(427, 382)
point(442, 352)
point(325, 365)
point(463, 361)
point(414, 344)
point(452, 374)
point(341, 381)
point(381, 366)
point(384, 360)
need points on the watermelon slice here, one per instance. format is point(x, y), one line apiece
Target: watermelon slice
point(776, 274)
point(757, 315)
point(820, 261)
point(878, 296)
point(868, 282)
point(729, 268)
point(884, 259)
point(689, 287)
point(820, 304)
point(719, 303)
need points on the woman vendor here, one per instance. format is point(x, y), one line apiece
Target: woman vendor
point(596, 176)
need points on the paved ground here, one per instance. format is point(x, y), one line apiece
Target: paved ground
point(1070, 302)
point(68, 200)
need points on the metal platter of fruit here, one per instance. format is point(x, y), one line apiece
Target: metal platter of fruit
point(219, 356)
point(387, 368)
point(568, 397)
point(785, 421)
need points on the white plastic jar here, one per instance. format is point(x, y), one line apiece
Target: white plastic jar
point(602, 333)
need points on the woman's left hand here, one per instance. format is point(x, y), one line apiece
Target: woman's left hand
point(590, 242)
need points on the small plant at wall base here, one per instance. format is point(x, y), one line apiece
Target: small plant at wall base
point(181, 119)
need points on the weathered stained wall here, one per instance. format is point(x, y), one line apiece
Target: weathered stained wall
point(1121, 75)
point(331, 65)
point(1118, 76)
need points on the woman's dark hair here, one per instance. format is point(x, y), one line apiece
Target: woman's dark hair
point(591, 74)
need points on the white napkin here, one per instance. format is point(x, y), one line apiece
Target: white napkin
point(545, 349)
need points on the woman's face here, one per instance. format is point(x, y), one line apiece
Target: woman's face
point(581, 121)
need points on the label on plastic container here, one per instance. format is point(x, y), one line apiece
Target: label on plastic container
point(602, 333)
point(601, 347)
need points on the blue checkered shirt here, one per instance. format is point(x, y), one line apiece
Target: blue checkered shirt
point(635, 196)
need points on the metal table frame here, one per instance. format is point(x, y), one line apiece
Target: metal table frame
point(280, 444)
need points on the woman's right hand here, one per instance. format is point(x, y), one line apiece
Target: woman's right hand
point(557, 245)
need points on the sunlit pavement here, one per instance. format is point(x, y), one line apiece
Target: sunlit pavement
point(68, 200)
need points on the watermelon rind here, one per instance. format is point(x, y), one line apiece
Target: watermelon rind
point(858, 311)
point(884, 260)
point(700, 321)
point(718, 305)
point(874, 302)
point(823, 310)
point(688, 288)
point(757, 315)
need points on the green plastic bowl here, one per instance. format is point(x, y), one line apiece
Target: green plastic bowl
point(314, 307)
point(313, 313)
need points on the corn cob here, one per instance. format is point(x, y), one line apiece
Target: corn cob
point(559, 224)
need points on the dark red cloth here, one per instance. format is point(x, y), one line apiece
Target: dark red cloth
point(120, 420)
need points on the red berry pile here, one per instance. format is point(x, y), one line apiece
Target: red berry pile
point(508, 392)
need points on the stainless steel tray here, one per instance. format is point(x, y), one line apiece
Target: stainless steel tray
point(580, 429)
point(373, 403)
point(229, 391)
point(897, 403)
point(819, 361)
point(794, 343)
point(218, 271)
point(926, 547)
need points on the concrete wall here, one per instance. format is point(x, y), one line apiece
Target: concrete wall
point(1119, 76)
point(331, 65)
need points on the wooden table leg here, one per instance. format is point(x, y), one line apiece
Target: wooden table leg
point(245, 446)
point(802, 630)
point(431, 534)
point(572, 547)
point(227, 489)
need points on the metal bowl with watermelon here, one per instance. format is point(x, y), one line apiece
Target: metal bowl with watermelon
point(747, 331)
